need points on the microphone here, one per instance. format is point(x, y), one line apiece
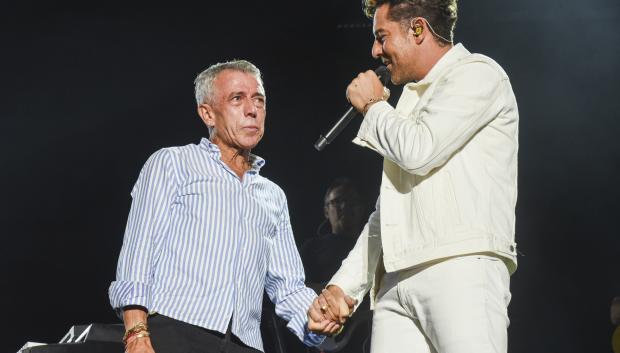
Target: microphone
point(384, 76)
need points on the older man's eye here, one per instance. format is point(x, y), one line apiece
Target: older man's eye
point(259, 101)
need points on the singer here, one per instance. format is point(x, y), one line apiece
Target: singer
point(439, 247)
point(207, 235)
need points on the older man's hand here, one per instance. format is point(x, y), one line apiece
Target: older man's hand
point(319, 323)
point(139, 345)
point(330, 310)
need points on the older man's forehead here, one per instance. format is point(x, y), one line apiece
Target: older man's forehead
point(237, 81)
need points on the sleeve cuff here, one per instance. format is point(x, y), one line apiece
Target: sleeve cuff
point(313, 339)
point(299, 325)
point(370, 121)
point(357, 294)
point(124, 293)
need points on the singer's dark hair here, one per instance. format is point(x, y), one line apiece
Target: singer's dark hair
point(440, 14)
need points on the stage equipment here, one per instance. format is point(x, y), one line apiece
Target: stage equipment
point(92, 338)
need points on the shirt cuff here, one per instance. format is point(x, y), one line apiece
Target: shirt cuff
point(370, 121)
point(312, 339)
point(124, 293)
point(299, 323)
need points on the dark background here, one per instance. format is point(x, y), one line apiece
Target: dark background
point(90, 89)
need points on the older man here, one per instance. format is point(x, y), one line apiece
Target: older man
point(207, 234)
point(440, 248)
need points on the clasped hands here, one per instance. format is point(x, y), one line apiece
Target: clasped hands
point(329, 311)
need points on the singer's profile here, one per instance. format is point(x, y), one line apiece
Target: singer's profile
point(207, 235)
point(439, 249)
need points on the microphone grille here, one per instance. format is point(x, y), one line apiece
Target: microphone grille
point(383, 74)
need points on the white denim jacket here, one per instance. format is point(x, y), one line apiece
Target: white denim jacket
point(449, 184)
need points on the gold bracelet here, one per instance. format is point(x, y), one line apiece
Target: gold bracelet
point(370, 102)
point(137, 335)
point(386, 95)
point(142, 334)
point(137, 328)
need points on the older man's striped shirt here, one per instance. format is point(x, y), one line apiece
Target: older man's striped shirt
point(201, 246)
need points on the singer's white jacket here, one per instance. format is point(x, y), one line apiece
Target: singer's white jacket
point(449, 184)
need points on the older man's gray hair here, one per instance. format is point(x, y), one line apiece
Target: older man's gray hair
point(203, 84)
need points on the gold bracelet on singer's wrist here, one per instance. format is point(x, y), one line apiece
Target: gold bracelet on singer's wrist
point(370, 103)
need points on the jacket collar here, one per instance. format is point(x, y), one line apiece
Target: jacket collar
point(453, 55)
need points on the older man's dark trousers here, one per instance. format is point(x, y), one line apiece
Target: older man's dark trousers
point(173, 336)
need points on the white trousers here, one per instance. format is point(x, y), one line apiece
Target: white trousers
point(455, 306)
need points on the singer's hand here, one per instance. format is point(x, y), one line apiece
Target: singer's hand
point(339, 305)
point(363, 88)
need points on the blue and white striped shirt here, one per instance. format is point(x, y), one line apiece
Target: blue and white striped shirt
point(201, 245)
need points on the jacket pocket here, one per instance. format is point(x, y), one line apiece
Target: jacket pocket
point(446, 208)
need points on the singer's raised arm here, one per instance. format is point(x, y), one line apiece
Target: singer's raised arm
point(418, 141)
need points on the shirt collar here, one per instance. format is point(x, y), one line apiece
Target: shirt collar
point(453, 55)
point(214, 152)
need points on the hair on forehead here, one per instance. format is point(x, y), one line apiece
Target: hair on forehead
point(441, 15)
point(203, 84)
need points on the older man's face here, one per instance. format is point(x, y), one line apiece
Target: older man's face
point(238, 110)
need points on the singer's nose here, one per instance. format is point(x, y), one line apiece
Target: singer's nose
point(376, 50)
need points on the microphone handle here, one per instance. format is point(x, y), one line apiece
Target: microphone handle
point(323, 141)
point(384, 75)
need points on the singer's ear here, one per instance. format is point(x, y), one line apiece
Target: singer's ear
point(417, 28)
point(206, 114)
